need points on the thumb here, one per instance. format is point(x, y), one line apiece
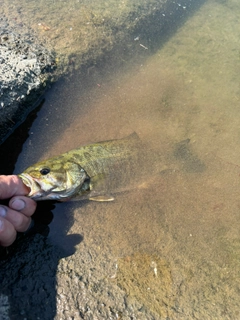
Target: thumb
point(12, 185)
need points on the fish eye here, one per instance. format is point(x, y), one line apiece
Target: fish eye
point(44, 171)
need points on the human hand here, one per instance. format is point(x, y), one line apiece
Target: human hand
point(16, 217)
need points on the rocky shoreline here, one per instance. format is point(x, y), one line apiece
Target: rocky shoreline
point(26, 68)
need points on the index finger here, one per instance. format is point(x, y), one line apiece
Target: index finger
point(12, 185)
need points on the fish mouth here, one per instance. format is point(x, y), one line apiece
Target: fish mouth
point(36, 191)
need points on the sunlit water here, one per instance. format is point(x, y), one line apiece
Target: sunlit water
point(175, 237)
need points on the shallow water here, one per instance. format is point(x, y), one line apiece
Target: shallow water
point(172, 243)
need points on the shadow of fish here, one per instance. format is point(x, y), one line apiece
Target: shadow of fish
point(90, 172)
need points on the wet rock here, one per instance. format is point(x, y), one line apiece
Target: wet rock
point(4, 307)
point(24, 275)
point(25, 70)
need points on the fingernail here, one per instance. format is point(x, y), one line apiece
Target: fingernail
point(18, 204)
point(3, 212)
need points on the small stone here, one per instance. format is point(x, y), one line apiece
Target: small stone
point(5, 37)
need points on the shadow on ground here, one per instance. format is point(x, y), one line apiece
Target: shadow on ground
point(28, 267)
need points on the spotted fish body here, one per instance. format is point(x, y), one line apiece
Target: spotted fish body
point(89, 172)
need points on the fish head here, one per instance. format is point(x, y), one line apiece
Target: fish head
point(53, 179)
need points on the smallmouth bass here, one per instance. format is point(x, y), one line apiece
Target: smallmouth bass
point(89, 172)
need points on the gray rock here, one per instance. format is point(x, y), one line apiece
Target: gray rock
point(25, 70)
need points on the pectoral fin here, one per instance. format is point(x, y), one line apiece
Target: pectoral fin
point(102, 198)
point(98, 189)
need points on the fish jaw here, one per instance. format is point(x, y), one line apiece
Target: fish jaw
point(37, 191)
point(35, 188)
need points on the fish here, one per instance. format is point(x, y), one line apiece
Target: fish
point(90, 172)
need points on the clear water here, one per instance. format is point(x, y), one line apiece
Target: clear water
point(176, 239)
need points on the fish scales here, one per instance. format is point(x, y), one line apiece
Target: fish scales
point(101, 158)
